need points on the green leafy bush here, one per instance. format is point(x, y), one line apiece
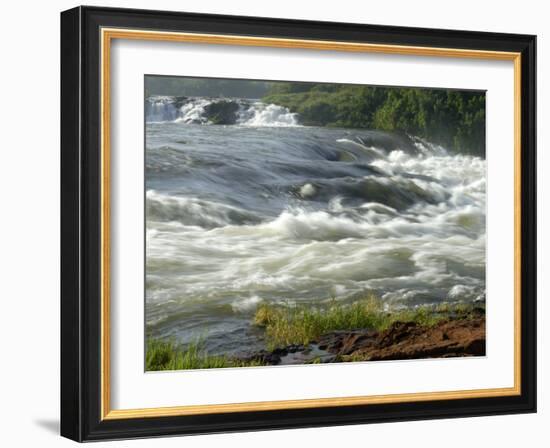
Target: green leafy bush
point(451, 118)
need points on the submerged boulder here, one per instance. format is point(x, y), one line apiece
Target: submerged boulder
point(222, 112)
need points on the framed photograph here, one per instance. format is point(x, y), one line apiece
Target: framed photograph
point(276, 224)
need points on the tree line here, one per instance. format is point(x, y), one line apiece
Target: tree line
point(452, 118)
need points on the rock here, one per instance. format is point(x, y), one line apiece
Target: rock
point(345, 342)
point(281, 351)
point(457, 337)
point(264, 357)
point(222, 112)
point(395, 334)
point(295, 348)
point(476, 347)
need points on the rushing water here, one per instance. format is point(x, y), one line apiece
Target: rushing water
point(267, 210)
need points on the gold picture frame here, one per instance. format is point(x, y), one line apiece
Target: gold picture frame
point(106, 31)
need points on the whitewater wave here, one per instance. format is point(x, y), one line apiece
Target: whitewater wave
point(194, 212)
point(266, 115)
point(192, 112)
point(200, 110)
point(237, 217)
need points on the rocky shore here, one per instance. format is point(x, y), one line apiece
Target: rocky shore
point(454, 336)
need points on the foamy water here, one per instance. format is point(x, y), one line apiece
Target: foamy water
point(256, 211)
point(192, 110)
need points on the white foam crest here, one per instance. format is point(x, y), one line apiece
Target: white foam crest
point(369, 150)
point(317, 225)
point(448, 170)
point(429, 149)
point(192, 111)
point(246, 304)
point(260, 260)
point(259, 114)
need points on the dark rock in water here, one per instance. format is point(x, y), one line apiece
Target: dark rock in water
point(264, 357)
point(281, 351)
point(221, 112)
point(292, 354)
point(295, 348)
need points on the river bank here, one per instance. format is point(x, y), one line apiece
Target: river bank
point(361, 331)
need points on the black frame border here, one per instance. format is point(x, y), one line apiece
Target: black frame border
point(81, 223)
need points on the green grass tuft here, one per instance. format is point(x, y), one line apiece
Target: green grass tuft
point(167, 355)
point(303, 324)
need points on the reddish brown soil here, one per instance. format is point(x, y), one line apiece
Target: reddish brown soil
point(449, 338)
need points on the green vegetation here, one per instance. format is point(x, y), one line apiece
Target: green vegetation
point(454, 119)
point(166, 355)
point(303, 324)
